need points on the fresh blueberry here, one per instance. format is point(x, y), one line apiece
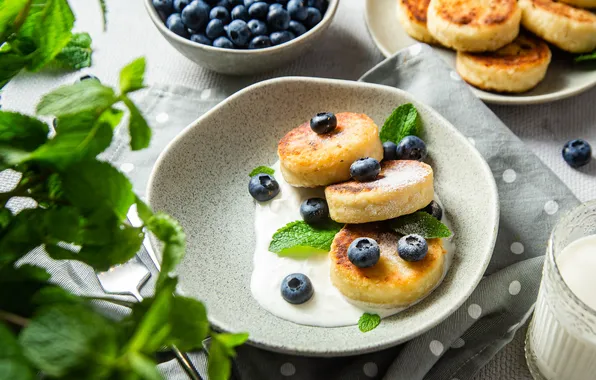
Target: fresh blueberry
point(323, 122)
point(577, 153)
point(201, 38)
point(215, 28)
point(313, 17)
point(259, 10)
point(365, 169)
point(276, 6)
point(196, 15)
point(297, 28)
point(248, 3)
point(278, 38)
point(233, 3)
point(364, 252)
point(412, 248)
point(262, 187)
point(175, 24)
point(296, 288)
point(179, 5)
point(223, 42)
point(297, 10)
point(314, 211)
point(240, 13)
point(257, 28)
point(220, 13)
point(283, 3)
point(259, 42)
point(163, 6)
point(389, 151)
point(239, 33)
point(434, 209)
point(224, 3)
point(88, 77)
point(211, 2)
point(278, 19)
point(411, 148)
point(321, 5)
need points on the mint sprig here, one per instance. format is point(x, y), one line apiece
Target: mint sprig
point(403, 121)
point(368, 322)
point(300, 239)
point(261, 170)
point(420, 223)
point(586, 57)
point(76, 54)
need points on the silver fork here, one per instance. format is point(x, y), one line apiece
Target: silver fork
point(129, 277)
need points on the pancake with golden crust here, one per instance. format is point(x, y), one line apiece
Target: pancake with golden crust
point(571, 29)
point(474, 25)
point(392, 282)
point(580, 3)
point(412, 17)
point(401, 188)
point(516, 67)
point(310, 160)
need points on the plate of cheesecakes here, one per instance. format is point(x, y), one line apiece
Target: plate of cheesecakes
point(509, 51)
point(351, 221)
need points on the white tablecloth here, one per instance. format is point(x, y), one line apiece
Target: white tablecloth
point(345, 52)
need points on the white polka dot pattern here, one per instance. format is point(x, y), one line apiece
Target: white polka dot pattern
point(517, 248)
point(551, 207)
point(287, 369)
point(127, 167)
point(370, 369)
point(162, 118)
point(415, 49)
point(514, 288)
point(206, 94)
point(475, 311)
point(436, 347)
point(509, 175)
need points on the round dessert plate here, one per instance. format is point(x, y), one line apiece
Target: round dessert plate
point(563, 79)
point(201, 179)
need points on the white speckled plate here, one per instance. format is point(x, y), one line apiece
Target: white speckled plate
point(563, 79)
point(202, 180)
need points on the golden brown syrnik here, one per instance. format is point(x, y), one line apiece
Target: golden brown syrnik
point(412, 17)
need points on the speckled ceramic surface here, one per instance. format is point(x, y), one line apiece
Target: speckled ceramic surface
point(243, 61)
point(202, 177)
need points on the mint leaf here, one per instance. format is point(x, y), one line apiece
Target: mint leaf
point(13, 364)
point(132, 76)
point(11, 63)
point(420, 223)
point(220, 353)
point(188, 318)
point(368, 322)
point(300, 239)
point(9, 11)
point(21, 131)
point(140, 133)
point(144, 367)
point(403, 121)
point(21, 235)
point(586, 57)
point(143, 210)
point(85, 96)
point(261, 169)
point(76, 54)
point(166, 229)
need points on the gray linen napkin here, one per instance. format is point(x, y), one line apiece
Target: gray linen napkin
point(531, 198)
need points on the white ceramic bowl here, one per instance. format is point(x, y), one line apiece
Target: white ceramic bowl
point(243, 62)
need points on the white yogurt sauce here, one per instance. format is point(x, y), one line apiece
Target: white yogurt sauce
point(328, 307)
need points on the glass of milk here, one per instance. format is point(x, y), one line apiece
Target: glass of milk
point(561, 340)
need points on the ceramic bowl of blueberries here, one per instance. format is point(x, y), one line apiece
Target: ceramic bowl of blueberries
point(241, 37)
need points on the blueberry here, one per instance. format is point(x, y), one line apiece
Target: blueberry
point(88, 77)
point(389, 151)
point(163, 6)
point(262, 187)
point(323, 122)
point(259, 42)
point(196, 15)
point(411, 148)
point(278, 38)
point(297, 10)
point(223, 42)
point(258, 28)
point(364, 252)
point(577, 153)
point(201, 38)
point(412, 248)
point(314, 211)
point(365, 169)
point(233, 3)
point(179, 5)
point(297, 28)
point(240, 13)
point(238, 33)
point(276, 6)
point(211, 2)
point(258, 10)
point(278, 19)
point(224, 3)
point(434, 209)
point(296, 288)
point(220, 13)
point(320, 5)
point(175, 24)
point(283, 3)
point(313, 17)
point(248, 3)
point(215, 28)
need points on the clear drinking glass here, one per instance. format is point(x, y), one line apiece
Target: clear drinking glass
point(561, 339)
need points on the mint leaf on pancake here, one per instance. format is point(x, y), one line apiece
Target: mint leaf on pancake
point(368, 322)
point(403, 121)
point(422, 224)
point(586, 57)
point(299, 239)
point(261, 170)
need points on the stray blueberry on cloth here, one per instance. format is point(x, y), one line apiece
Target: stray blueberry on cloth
point(577, 153)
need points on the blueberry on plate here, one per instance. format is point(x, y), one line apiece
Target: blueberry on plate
point(323, 122)
point(220, 13)
point(258, 10)
point(179, 5)
point(258, 28)
point(248, 3)
point(297, 10)
point(297, 28)
point(412, 248)
point(278, 19)
point(223, 42)
point(262, 187)
point(163, 6)
point(239, 12)
point(195, 15)
point(434, 209)
point(364, 252)
point(278, 38)
point(224, 3)
point(239, 33)
point(296, 288)
point(215, 28)
point(276, 6)
point(259, 42)
point(233, 3)
point(320, 5)
point(201, 38)
point(313, 17)
point(365, 169)
point(411, 148)
point(389, 151)
point(175, 24)
point(88, 77)
point(314, 211)
point(577, 153)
